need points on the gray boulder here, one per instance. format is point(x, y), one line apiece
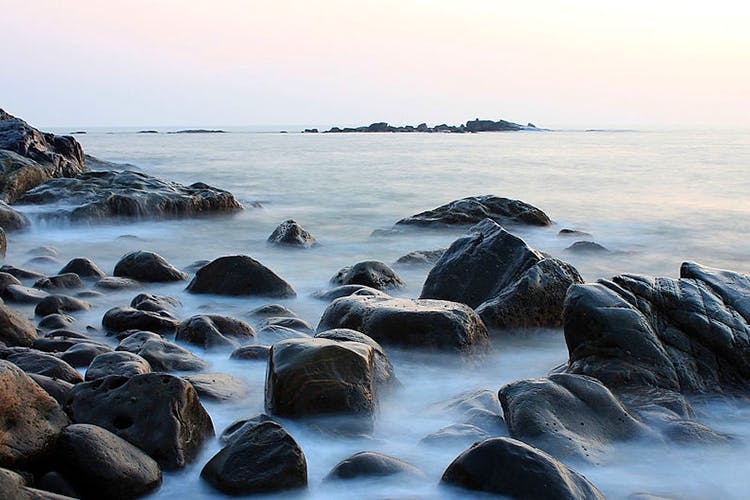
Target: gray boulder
point(161, 354)
point(213, 330)
point(120, 319)
point(121, 363)
point(372, 273)
point(33, 361)
point(290, 234)
point(147, 267)
point(383, 368)
point(59, 282)
point(239, 275)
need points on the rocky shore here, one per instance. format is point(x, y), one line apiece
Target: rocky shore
point(470, 126)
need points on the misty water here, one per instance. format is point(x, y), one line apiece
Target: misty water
point(655, 199)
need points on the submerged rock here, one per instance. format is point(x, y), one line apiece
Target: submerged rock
point(59, 282)
point(218, 386)
point(372, 464)
point(252, 352)
point(10, 218)
point(420, 258)
point(147, 267)
point(154, 303)
point(239, 275)
point(371, 273)
point(346, 291)
point(290, 234)
point(161, 354)
point(85, 268)
point(213, 330)
point(383, 368)
point(59, 304)
point(586, 247)
point(271, 311)
point(120, 319)
point(121, 363)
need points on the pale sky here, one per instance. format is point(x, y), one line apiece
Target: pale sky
point(556, 63)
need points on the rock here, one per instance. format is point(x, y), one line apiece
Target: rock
point(58, 389)
point(13, 486)
point(103, 465)
point(56, 322)
point(297, 324)
point(23, 294)
point(192, 268)
point(455, 436)
point(370, 273)
point(510, 284)
point(30, 420)
point(19, 273)
point(271, 311)
point(102, 195)
point(468, 211)
point(689, 432)
point(346, 291)
point(3, 243)
point(238, 427)
point(290, 234)
point(61, 281)
point(32, 361)
point(272, 334)
point(29, 157)
point(82, 354)
point(60, 343)
point(573, 233)
point(585, 247)
point(420, 258)
point(44, 250)
point(252, 352)
point(478, 408)
point(239, 275)
point(147, 267)
point(15, 330)
point(383, 367)
point(264, 458)
point(218, 386)
point(115, 283)
point(317, 377)
point(158, 413)
point(213, 330)
point(428, 324)
point(162, 355)
point(568, 416)
point(514, 469)
point(10, 218)
point(121, 363)
point(58, 304)
point(7, 280)
point(120, 319)
point(372, 464)
point(85, 268)
point(43, 260)
point(154, 303)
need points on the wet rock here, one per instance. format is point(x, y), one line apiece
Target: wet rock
point(32, 361)
point(59, 282)
point(58, 389)
point(298, 324)
point(263, 458)
point(273, 333)
point(158, 413)
point(103, 465)
point(239, 275)
point(20, 273)
point(115, 283)
point(13, 486)
point(85, 268)
point(10, 219)
point(154, 303)
point(162, 355)
point(271, 311)
point(23, 294)
point(428, 324)
point(568, 416)
point(311, 377)
point(119, 319)
point(102, 195)
point(455, 436)
point(59, 304)
point(147, 267)
point(15, 330)
point(213, 330)
point(372, 464)
point(252, 352)
point(82, 354)
point(586, 247)
point(30, 420)
point(690, 432)
point(61, 343)
point(54, 482)
point(218, 386)
point(467, 211)
point(383, 368)
point(121, 363)
point(514, 469)
point(372, 273)
point(7, 280)
point(478, 408)
point(420, 258)
point(574, 233)
point(3, 243)
point(44, 260)
point(56, 322)
point(346, 291)
point(510, 284)
point(237, 427)
point(290, 234)
point(196, 265)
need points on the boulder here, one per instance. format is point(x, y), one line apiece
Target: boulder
point(56, 322)
point(58, 389)
point(264, 458)
point(7, 280)
point(290, 234)
point(159, 413)
point(318, 377)
point(237, 427)
point(15, 330)
point(58, 304)
point(59, 282)
point(213, 330)
point(568, 416)
point(82, 354)
point(11, 219)
point(510, 284)
point(115, 283)
point(121, 363)
point(102, 195)
point(13, 487)
point(30, 420)
point(468, 211)
point(239, 275)
point(420, 258)
point(119, 319)
point(572, 233)
point(455, 436)
point(372, 464)
point(587, 247)
point(372, 273)
point(428, 324)
point(161, 354)
point(103, 465)
point(273, 333)
point(147, 267)
point(154, 303)
point(252, 352)
point(44, 251)
point(20, 273)
point(218, 386)
point(23, 294)
point(477, 408)
point(346, 291)
point(383, 367)
point(271, 311)
point(85, 268)
point(510, 468)
point(297, 324)
point(32, 361)
point(3, 243)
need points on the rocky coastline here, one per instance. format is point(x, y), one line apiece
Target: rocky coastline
point(471, 126)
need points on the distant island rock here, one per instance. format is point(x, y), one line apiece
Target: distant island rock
point(147, 132)
point(472, 126)
point(198, 131)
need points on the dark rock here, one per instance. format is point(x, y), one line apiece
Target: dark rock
point(273, 333)
point(59, 342)
point(468, 211)
point(10, 218)
point(103, 465)
point(196, 265)
point(58, 389)
point(478, 125)
point(161, 354)
point(198, 131)
point(314, 377)
point(32, 361)
point(272, 311)
point(85, 268)
point(44, 250)
point(13, 487)
point(15, 330)
point(213, 330)
point(127, 194)
point(252, 352)
point(154, 303)
point(264, 458)
point(23, 294)
point(689, 432)
point(478, 408)
point(573, 233)
point(429, 324)
point(54, 482)
point(58, 304)
point(56, 322)
point(420, 258)
point(290, 234)
point(61, 281)
point(455, 436)
point(119, 319)
point(218, 386)
point(30, 420)
point(237, 427)
point(21, 274)
point(383, 367)
point(586, 247)
point(3, 243)
point(121, 363)
point(298, 324)
point(346, 291)
point(514, 469)
point(156, 412)
point(372, 464)
point(7, 280)
point(239, 275)
point(83, 353)
point(115, 283)
point(147, 267)
point(372, 273)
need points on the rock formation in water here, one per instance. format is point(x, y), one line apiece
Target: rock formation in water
point(474, 209)
point(476, 125)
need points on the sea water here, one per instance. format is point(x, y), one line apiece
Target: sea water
point(654, 198)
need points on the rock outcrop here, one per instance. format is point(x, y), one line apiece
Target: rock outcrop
point(239, 275)
point(474, 209)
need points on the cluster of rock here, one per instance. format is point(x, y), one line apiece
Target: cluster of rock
point(476, 125)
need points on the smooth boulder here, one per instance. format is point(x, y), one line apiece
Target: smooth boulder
point(147, 267)
point(15, 330)
point(372, 273)
point(121, 363)
point(119, 319)
point(238, 275)
point(372, 464)
point(473, 209)
point(213, 330)
point(83, 267)
point(290, 234)
point(384, 373)
point(161, 354)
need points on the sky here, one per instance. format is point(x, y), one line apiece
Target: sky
point(576, 63)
